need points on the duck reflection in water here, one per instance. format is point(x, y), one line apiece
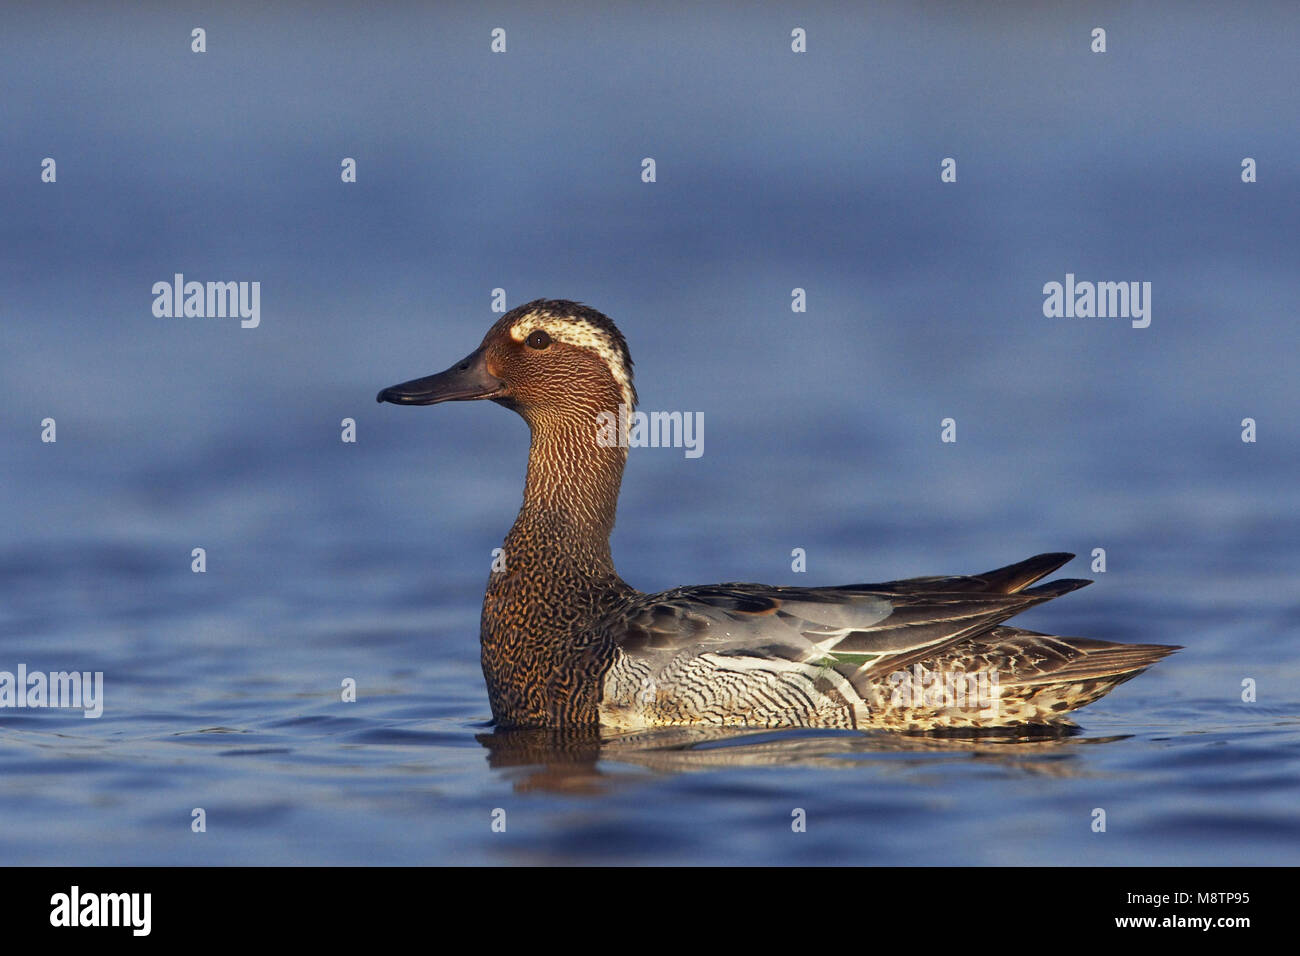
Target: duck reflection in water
point(585, 761)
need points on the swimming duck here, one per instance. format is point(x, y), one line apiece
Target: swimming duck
point(567, 643)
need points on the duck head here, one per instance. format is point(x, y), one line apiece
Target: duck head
point(549, 360)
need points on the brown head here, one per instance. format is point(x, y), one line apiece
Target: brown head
point(548, 360)
point(566, 369)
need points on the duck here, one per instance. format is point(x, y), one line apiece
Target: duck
point(565, 642)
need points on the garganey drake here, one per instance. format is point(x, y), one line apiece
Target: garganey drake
point(567, 643)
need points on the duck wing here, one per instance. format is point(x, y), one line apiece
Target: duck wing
point(773, 656)
point(876, 625)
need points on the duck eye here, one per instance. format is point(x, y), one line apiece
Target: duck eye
point(538, 340)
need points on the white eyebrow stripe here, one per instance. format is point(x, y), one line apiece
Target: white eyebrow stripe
point(583, 335)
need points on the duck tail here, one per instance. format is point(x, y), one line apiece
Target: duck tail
point(1030, 679)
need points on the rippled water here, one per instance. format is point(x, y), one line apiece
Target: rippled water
point(328, 561)
point(222, 693)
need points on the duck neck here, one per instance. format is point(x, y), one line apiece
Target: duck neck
point(570, 494)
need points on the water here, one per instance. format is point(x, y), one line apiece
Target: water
point(328, 561)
